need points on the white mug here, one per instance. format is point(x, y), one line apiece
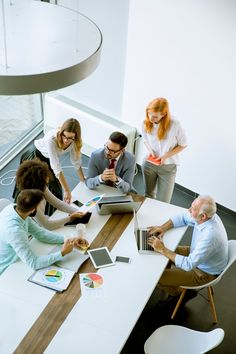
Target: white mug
point(80, 230)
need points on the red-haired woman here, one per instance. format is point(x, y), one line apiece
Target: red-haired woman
point(164, 139)
point(67, 139)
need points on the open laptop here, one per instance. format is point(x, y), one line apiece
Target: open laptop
point(141, 238)
point(117, 205)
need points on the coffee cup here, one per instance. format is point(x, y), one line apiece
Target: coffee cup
point(80, 230)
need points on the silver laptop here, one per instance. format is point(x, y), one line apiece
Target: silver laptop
point(117, 205)
point(141, 237)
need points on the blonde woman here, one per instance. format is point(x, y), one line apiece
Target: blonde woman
point(164, 139)
point(67, 139)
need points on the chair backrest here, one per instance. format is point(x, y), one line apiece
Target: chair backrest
point(183, 340)
point(212, 339)
point(232, 254)
point(3, 203)
point(231, 260)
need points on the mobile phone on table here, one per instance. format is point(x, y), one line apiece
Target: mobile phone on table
point(123, 259)
point(76, 202)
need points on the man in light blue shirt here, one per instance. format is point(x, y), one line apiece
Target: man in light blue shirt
point(207, 256)
point(17, 225)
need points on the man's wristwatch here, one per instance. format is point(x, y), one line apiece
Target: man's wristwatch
point(117, 180)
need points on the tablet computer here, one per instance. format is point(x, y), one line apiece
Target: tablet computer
point(101, 257)
point(84, 220)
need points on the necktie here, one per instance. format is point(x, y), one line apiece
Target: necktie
point(111, 165)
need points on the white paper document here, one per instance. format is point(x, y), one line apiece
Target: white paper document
point(52, 277)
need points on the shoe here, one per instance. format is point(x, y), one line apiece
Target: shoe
point(189, 295)
point(169, 300)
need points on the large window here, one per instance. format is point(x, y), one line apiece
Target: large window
point(21, 120)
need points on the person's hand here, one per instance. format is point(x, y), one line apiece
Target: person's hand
point(156, 243)
point(156, 231)
point(152, 154)
point(105, 175)
point(77, 215)
point(81, 243)
point(67, 197)
point(67, 247)
point(109, 175)
point(163, 159)
point(112, 175)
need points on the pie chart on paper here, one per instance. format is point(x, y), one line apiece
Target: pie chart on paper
point(53, 276)
point(92, 280)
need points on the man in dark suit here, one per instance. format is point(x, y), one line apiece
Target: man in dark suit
point(112, 165)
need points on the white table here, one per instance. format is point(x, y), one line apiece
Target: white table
point(102, 324)
point(21, 301)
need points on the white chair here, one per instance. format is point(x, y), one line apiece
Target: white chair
point(173, 339)
point(232, 258)
point(3, 203)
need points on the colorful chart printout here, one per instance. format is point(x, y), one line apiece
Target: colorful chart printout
point(53, 276)
point(92, 280)
point(90, 203)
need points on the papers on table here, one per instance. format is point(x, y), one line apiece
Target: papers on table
point(90, 203)
point(53, 277)
point(92, 285)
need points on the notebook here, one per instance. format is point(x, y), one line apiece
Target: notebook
point(71, 261)
point(154, 160)
point(141, 238)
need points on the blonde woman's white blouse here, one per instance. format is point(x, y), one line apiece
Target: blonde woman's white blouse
point(49, 149)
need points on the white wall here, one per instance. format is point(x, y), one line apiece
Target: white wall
point(103, 90)
point(185, 51)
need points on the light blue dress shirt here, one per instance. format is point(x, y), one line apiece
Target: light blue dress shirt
point(209, 246)
point(14, 243)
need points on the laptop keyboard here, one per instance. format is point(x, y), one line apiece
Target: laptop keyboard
point(144, 243)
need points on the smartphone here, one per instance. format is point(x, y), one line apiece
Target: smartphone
point(123, 259)
point(76, 202)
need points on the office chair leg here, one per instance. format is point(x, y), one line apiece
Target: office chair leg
point(178, 303)
point(211, 300)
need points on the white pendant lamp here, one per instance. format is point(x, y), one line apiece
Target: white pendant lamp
point(44, 47)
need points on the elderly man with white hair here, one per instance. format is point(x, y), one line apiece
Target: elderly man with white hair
point(207, 255)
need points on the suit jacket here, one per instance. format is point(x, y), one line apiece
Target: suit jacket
point(125, 168)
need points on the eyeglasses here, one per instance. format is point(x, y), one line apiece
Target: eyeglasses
point(68, 138)
point(110, 150)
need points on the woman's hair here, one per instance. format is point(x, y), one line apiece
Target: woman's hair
point(71, 125)
point(33, 174)
point(28, 199)
point(155, 106)
point(208, 206)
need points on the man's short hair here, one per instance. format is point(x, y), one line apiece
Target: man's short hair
point(28, 199)
point(119, 138)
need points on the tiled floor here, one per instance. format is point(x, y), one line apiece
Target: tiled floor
point(196, 314)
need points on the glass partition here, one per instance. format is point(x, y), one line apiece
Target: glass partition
point(21, 120)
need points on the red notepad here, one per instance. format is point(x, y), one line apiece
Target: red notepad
point(154, 160)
